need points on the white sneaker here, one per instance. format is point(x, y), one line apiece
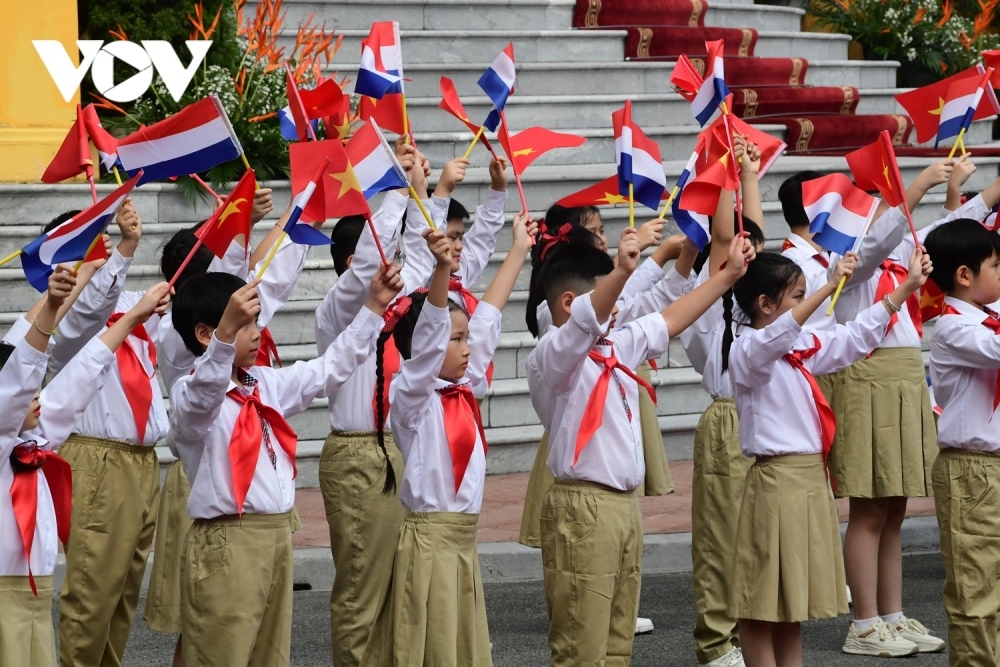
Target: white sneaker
point(732, 659)
point(643, 626)
point(850, 600)
point(911, 629)
point(880, 640)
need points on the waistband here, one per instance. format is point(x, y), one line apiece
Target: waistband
point(800, 460)
point(360, 437)
point(443, 518)
point(281, 520)
point(594, 486)
point(893, 353)
point(107, 443)
point(724, 400)
point(971, 453)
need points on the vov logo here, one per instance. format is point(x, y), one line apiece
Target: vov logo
point(99, 58)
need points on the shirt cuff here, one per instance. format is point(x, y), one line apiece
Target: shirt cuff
point(582, 313)
point(18, 331)
point(28, 353)
point(220, 351)
point(118, 263)
point(654, 328)
point(495, 201)
point(441, 203)
point(489, 311)
point(415, 217)
point(368, 321)
point(394, 203)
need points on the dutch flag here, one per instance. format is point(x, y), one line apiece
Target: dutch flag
point(694, 225)
point(839, 213)
point(381, 70)
point(713, 91)
point(195, 139)
point(374, 162)
point(70, 241)
point(303, 232)
point(638, 160)
point(963, 100)
point(287, 124)
point(498, 84)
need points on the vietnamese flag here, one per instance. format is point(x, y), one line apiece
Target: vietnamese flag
point(73, 156)
point(770, 147)
point(931, 301)
point(604, 193)
point(387, 112)
point(340, 193)
point(528, 145)
point(686, 78)
point(874, 168)
point(232, 219)
point(701, 195)
point(326, 99)
point(295, 105)
point(451, 103)
point(924, 105)
point(338, 124)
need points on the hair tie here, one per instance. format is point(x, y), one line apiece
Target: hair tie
point(549, 240)
point(398, 310)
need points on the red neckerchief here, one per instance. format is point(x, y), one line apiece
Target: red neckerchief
point(471, 302)
point(267, 353)
point(135, 380)
point(886, 286)
point(462, 419)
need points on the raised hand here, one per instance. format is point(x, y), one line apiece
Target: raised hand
point(242, 309)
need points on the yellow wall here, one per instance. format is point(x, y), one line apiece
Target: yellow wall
point(34, 118)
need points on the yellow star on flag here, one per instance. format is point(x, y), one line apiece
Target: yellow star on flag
point(231, 207)
point(348, 181)
point(885, 173)
point(937, 112)
point(613, 198)
point(928, 300)
point(524, 151)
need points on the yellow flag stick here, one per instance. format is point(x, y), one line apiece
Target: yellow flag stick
point(843, 279)
point(93, 244)
point(670, 200)
point(954, 146)
point(11, 257)
point(468, 151)
point(420, 205)
point(270, 255)
point(961, 144)
point(118, 177)
point(406, 118)
point(836, 295)
point(631, 206)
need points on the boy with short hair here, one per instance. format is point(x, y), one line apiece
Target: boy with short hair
point(228, 425)
point(965, 360)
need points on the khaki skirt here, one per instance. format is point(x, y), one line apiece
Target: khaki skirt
point(163, 603)
point(436, 614)
point(886, 440)
point(26, 635)
point(658, 481)
point(539, 482)
point(788, 565)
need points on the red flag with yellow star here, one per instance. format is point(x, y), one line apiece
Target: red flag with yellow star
point(924, 104)
point(231, 219)
point(874, 168)
point(73, 156)
point(701, 195)
point(387, 112)
point(931, 301)
point(604, 193)
point(528, 145)
point(451, 103)
point(339, 194)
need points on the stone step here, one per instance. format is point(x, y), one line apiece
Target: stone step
point(857, 73)
point(811, 45)
point(342, 15)
point(759, 17)
point(442, 46)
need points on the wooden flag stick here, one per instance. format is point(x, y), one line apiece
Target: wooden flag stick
point(420, 205)
point(468, 151)
point(208, 188)
point(11, 257)
point(670, 200)
point(836, 295)
point(93, 244)
point(631, 206)
point(378, 244)
point(270, 255)
point(118, 176)
point(958, 142)
point(732, 152)
point(93, 186)
point(961, 145)
point(187, 260)
point(513, 166)
point(843, 279)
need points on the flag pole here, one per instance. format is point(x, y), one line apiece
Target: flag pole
point(90, 179)
point(270, 255)
point(93, 244)
point(958, 142)
point(198, 179)
point(670, 200)
point(843, 279)
point(118, 176)
point(631, 206)
point(378, 244)
point(739, 186)
point(468, 151)
point(11, 257)
point(187, 260)
point(513, 166)
point(420, 205)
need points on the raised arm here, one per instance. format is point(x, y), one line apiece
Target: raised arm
point(20, 379)
point(524, 229)
point(481, 240)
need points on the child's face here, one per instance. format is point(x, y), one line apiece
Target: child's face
point(34, 412)
point(455, 233)
point(456, 359)
point(985, 288)
point(768, 311)
point(247, 342)
point(593, 224)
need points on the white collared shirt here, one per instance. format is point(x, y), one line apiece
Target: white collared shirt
point(481, 239)
point(350, 405)
point(62, 403)
point(859, 292)
point(202, 418)
point(965, 358)
point(702, 342)
point(561, 378)
point(417, 416)
point(777, 412)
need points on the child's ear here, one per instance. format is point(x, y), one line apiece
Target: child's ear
point(350, 258)
point(566, 302)
point(203, 333)
point(764, 305)
point(964, 276)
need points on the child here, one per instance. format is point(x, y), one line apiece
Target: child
point(590, 521)
point(965, 358)
point(788, 565)
point(359, 462)
point(228, 424)
point(436, 614)
point(37, 511)
point(885, 448)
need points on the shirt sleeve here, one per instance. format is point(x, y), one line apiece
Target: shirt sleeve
point(965, 343)
point(413, 388)
point(656, 298)
point(348, 295)
point(20, 379)
point(69, 393)
point(196, 400)
point(18, 330)
point(236, 261)
point(420, 261)
point(279, 280)
point(883, 237)
point(481, 240)
point(851, 342)
point(484, 336)
point(299, 384)
point(642, 280)
point(558, 356)
point(91, 310)
point(642, 339)
point(755, 352)
point(697, 338)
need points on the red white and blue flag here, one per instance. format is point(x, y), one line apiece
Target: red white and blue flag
point(638, 159)
point(303, 232)
point(713, 90)
point(106, 145)
point(839, 213)
point(381, 70)
point(195, 139)
point(694, 225)
point(498, 84)
point(959, 108)
point(374, 162)
point(70, 241)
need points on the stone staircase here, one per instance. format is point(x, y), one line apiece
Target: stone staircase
point(568, 79)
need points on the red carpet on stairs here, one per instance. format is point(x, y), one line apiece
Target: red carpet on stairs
point(753, 72)
point(786, 100)
point(836, 134)
point(594, 13)
point(671, 42)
